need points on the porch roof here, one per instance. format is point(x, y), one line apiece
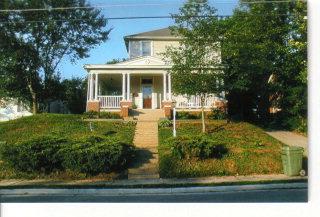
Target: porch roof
point(141, 63)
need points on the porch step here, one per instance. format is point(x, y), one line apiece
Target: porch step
point(144, 176)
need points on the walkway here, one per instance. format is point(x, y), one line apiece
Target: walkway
point(291, 139)
point(146, 142)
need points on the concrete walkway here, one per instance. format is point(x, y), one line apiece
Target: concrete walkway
point(291, 139)
point(146, 142)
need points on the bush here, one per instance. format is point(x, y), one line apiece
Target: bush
point(165, 123)
point(200, 147)
point(35, 155)
point(109, 115)
point(96, 154)
point(91, 114)
point(187, 115)
point(90, 155)
point(217, 114)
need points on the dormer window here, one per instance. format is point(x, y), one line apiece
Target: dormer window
point(139, 48)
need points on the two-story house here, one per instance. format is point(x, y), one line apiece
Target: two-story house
point(142, 82)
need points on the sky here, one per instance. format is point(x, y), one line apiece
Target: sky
point(114, 47)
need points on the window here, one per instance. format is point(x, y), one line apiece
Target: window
point(139, 48)
point(146, 48)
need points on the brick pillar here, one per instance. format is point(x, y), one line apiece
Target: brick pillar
point(167, 108)
point(93, 106)
point(125, 107)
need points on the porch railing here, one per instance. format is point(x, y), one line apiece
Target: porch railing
point(183, 101)
point(109, 101)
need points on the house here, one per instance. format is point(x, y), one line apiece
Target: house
point(12, 109)
point(142, 82)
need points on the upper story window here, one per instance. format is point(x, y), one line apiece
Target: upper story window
point(139, 48)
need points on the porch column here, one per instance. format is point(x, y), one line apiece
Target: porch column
point(88, 87)
point(128, 87)
point(91, 86)
point(123, 86)
point(164, 86)
point(96, 87)
point(169, 86)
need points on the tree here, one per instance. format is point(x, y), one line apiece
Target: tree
point(52, 34)
point(263, 65)
point(195, 62)
point(114, 61)
point(74, 94)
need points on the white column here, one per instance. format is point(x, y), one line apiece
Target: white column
point(169, 86)
point(88, 87)
point(164, 86)
point(96, 87)
point(128, 87)
point(123, 86)
point(91, 86)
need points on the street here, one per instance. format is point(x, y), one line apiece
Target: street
point(254, 193)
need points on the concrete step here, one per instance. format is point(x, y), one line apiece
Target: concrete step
point(143, 176)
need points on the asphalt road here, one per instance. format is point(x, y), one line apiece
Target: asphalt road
point(269, 195)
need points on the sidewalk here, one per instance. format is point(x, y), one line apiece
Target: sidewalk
point(215, 180)
point(291, 139)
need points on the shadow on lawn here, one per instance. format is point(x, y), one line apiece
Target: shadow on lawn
point(219, 151)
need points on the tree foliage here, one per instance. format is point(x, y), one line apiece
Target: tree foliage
point(50, 35)
point(195, 62)
point(264, 47)
point(74, 92)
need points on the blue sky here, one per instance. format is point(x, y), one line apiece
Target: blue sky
point(114, 47)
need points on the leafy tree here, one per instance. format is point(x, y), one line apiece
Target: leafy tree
point(114, 61)
point(51, 34)
point(74, 94)
point(195, 63)
point(263, 65)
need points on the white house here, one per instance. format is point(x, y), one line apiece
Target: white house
point(13, 109)
point(142, 82)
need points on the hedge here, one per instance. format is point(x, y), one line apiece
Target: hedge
point(90, 155)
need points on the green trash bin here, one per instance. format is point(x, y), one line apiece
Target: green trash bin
point(292, 160)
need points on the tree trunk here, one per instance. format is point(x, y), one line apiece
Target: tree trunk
point(202, 115)
point(34, 98)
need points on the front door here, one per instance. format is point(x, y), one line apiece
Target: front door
point(147, 96)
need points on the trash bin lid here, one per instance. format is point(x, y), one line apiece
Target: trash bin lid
point(292, 148)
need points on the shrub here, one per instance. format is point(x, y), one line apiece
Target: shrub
point(109, 115)
point(91, 114)
point(96, 154)
point(200, 147)
point(182, 115)
point(37, 154)
point(165, 123)
point(90, 155)
point(217, 114)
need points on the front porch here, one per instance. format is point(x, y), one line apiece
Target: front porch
point(141, 83)
point(142, 91)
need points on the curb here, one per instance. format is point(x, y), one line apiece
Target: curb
point(149, 191)
point(140, 183)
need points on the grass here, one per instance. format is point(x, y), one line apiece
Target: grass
point(70, 126)
point(250, 151)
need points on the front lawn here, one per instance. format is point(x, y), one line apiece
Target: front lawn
point(248, 150)
point(71, 127)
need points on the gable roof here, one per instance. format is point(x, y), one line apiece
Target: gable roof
point(162, 34)
point(165, 32)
